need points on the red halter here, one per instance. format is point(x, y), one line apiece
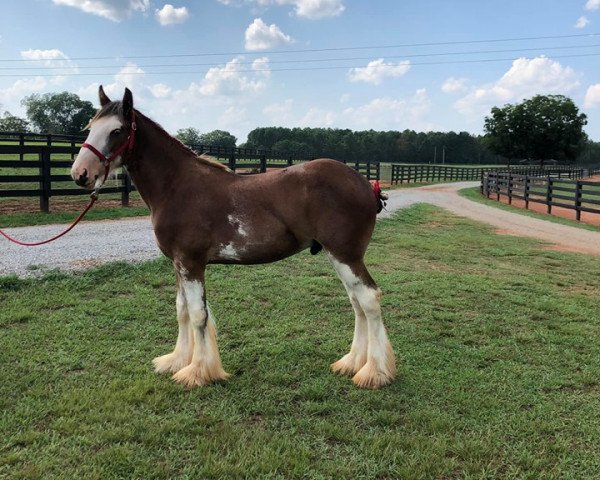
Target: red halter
point(127, 145)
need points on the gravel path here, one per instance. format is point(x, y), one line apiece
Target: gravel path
point(94, 243)
point(88, 244)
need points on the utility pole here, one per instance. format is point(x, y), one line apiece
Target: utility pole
point(444, 155)
point(435, 154)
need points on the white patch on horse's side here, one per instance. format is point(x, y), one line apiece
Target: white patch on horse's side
point(229, 252)
point(236, 222)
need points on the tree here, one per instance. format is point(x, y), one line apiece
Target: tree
point(291, 146)
point(218, 138)
point(11, 123)
point(189, 136)
point(540, 128)
point(64, 112)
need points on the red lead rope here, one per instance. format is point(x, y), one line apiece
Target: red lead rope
point(127, 145)
point(35, 244)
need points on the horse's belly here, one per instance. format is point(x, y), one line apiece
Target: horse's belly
point(254, 251)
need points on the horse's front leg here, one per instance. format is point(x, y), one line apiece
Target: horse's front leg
point(205, 366)
point(182, 355)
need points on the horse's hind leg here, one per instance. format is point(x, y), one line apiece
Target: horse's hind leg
point(379, 365)
point(182, 355)
point(353, 361)
point(205, 366)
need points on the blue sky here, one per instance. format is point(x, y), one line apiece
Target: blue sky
point(240, 64)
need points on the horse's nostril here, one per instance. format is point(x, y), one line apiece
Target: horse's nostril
point(82, 180)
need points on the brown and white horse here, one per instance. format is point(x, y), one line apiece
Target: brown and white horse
point(203, 213)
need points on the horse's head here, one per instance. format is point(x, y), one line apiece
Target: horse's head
point(111, 135)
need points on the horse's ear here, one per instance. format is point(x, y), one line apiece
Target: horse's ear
point(127, 103)
point(104, 100)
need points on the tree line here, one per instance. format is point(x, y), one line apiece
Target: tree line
point(543, 128)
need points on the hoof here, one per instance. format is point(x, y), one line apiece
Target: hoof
point(372, 377)
point(198, 374)
point(348, 365)
point(170, 363)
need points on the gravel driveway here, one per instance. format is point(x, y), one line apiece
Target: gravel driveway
point(94, 243)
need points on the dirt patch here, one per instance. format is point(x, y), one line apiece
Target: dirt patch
point(85, 263)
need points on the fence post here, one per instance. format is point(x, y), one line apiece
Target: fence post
point(263, 163)
point(549, 194)
point(45, 181)
point(126, 185)
point(378, 170)
point(526, 192)
point(21, 144)
point(498, 187)
point(578, 195)
point(232, 162)
point(481, 189)
point(290, 161)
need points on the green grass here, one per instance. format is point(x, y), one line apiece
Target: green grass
point(498, 346)
point(475, 195)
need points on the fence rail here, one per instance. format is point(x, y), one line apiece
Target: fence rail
point(578, 195)
point(432, 173)
point(33, 165)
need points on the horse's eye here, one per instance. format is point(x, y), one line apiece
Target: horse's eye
point(116, 131)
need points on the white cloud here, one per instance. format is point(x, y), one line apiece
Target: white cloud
point(169, 15)
point(391, 113)
point(279, 113)
point(260, 36)
point(232, 79)
point(582, 22)
point(380, 114)
point(525, 78)
point(454, 85)
point(52, 58)
point(160, 90)
point(10, 97)
point(592, 96)
point(130, 75)
point(377, 70)
point(318, 117)
point(53, 54)
point(115, 10)
point(311, 9)
point(315, 9)
point(592, 5)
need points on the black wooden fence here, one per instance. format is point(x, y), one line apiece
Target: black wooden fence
point(578, 195)
point(436, 173)
point(33, 165)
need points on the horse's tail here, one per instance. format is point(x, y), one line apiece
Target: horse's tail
point(380, 197)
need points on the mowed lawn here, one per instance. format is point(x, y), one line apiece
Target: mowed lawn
point(497, 341)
